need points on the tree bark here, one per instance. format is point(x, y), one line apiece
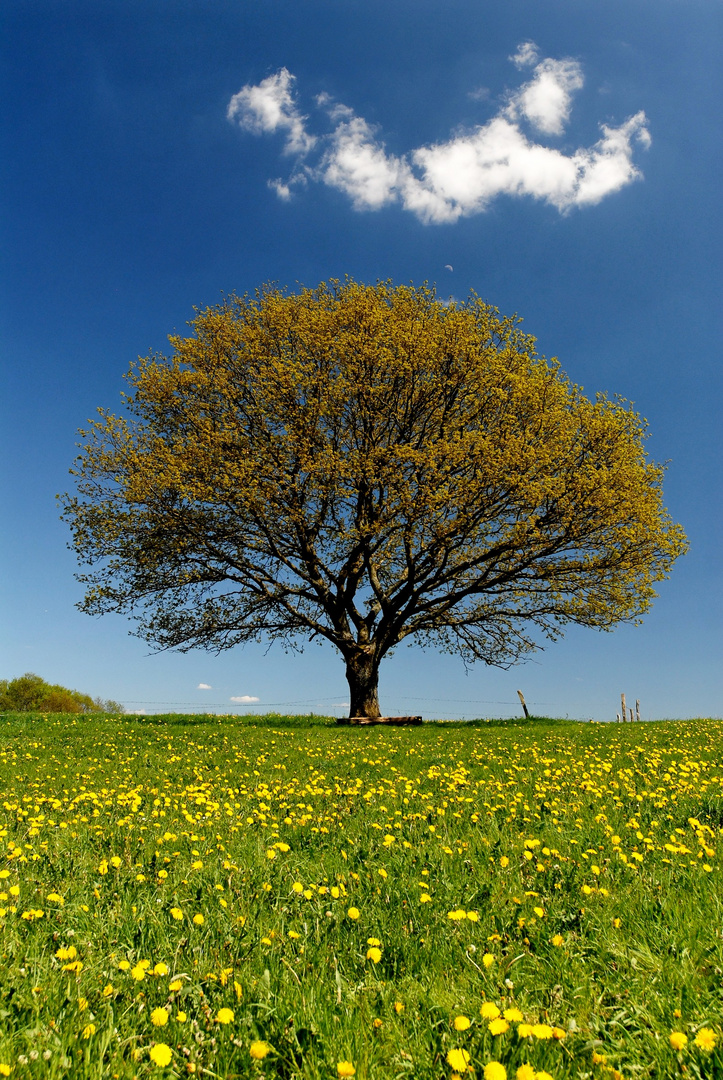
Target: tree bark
point(362, 674)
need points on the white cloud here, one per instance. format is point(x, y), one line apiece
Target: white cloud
point(462, 176)
point(204, 686)
point(245, 699)
point(546, 100)
point(270, 107)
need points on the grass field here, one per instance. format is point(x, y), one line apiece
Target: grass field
point(286, 898)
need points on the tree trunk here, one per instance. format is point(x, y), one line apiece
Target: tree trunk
point(362, 674)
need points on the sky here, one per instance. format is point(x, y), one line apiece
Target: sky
point(560, 158)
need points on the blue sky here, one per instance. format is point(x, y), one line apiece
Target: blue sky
point(563, 158)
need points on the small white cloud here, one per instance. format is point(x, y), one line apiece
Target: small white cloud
point(546, 100)
point(462, 176)
point(482, 93)
point(204, 686)
point(282, 190)
point(526, 55)
point(244, 699)
point(270, 107)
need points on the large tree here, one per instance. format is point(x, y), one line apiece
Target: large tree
point(366, 464)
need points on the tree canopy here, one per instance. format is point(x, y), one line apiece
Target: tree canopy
point(366, 464)
point(31, 693)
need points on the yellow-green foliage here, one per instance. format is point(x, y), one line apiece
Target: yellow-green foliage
point(542, 899)
point(366, 464)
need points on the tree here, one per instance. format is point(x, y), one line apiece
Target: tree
point(30, 693)
point(366, 464)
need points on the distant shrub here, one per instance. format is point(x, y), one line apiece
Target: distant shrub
point(30, 693)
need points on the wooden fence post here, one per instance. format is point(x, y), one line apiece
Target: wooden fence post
point(522, 702)
point(637, 710)
point(624, 711)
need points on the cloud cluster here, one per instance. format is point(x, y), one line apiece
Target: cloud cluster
point(450, 180)
point(244, 699)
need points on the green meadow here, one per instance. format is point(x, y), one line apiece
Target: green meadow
point(285, 897)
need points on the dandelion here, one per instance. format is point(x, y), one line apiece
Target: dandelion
point(498, 1026)
point(457, 915)
point(398, 1006)
point(374, 954)
point(259, 1049)
point(678, 1040)
point(524, 1030)
point(224, 1016)
point(108, 990)
point(461, 1023)
point(159, 1017)
point(489, 1011)
point(513, 1015)
point(425, 898)
point(161, 1055)
point(55, 898)
point(488, 959)
point(504, 861)
point(539, 911)
point(5, 1070)
point(542, 1031)
point(199, 920)
point(345, 1068)
point(138, 973)
point(353, 913)
point(160, 969)
point(175, 985)
point(124, 965)
point(495, 1071)
point(557, 940)
point(89, 1030)
point(705, 1039)
point(525, 1072)
point(181, 1017)
point(176, 914)
point(458, 1060)
point(297, 887)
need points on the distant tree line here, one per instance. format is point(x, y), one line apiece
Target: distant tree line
point(30, 693)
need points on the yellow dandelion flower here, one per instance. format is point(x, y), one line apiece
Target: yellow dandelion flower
point(353, 913)
point(124, 965)
point(458, 1060)
point(525, 1072)
point(398, 1006)
point(108, 990)
point(181, 1017)
point(678, 1040)
point(374, 954)
point(461, 1023)
point(495, 1071)
point(199, 919)
point(259, 1049)
point(88, 1030)
point(498, 1026)
point(557, 940)
point(176, 913)
point(489, 1011)
point(542, 1031)
point(488, 959)
point(345, 1068)
point(175, 985)
point(161, 1055)
point(524, 1030)
point(138, 973)
point(5, 1070)
point(159, 1017)
point(225, 1016)
point(705, 1039)
point(513, 1015)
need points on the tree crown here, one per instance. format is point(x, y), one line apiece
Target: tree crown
point(366, 464)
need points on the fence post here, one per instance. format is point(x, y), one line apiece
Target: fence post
point(637, 710)
point(522, 702)
point(624, 711)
